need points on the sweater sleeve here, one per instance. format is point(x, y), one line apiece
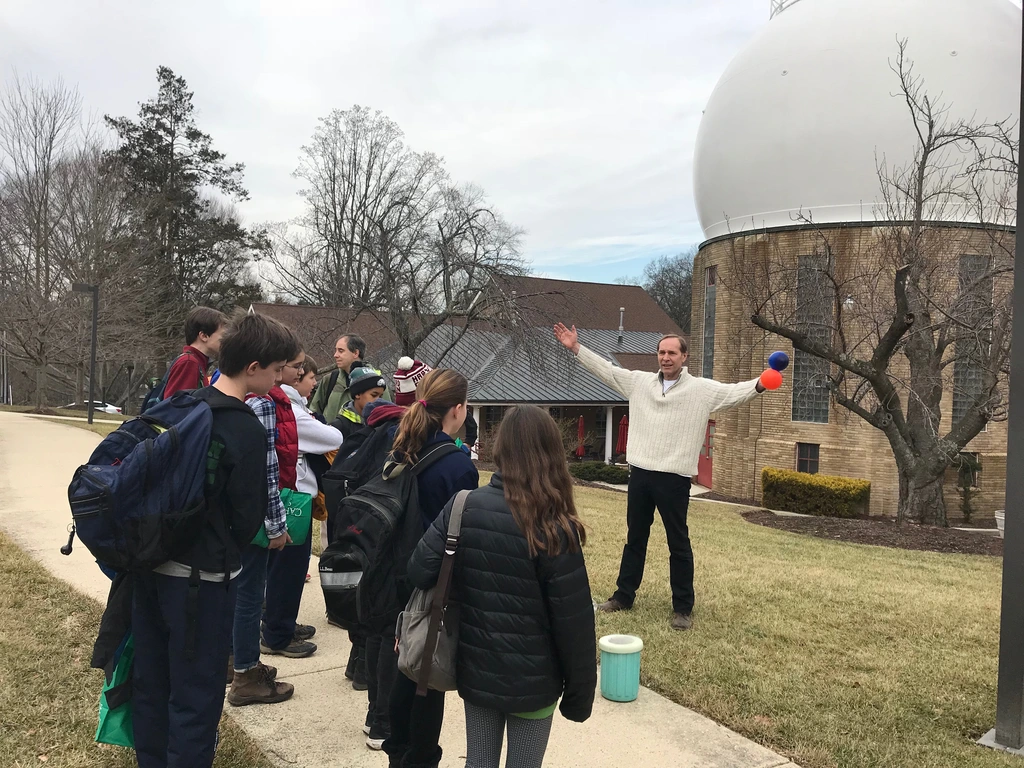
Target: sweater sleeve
point(571, 611)
point(425, 564)
point(315, 437)
point(720, 397)
point(619, 379)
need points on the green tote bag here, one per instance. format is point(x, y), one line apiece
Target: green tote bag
point(298, 509)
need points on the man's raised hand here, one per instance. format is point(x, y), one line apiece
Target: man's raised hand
point(568, 338)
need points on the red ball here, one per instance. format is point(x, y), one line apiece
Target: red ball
point(771, 379)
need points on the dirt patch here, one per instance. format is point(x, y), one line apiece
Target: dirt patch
point(883, 533)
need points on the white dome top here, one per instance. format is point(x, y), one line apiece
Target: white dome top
point(797, 120)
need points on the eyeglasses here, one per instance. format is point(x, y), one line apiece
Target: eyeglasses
point(297, 366)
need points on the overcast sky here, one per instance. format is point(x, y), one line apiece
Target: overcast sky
point(577, 118)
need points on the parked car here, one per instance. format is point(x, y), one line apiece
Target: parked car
point(97, 406)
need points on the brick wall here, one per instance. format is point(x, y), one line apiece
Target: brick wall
point(762, 433)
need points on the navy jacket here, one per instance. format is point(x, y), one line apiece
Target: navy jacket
point(444, 478)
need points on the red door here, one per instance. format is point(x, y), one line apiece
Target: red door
point(706, 455)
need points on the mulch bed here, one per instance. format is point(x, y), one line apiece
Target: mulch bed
point(883, 532)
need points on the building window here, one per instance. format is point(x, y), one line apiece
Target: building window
point(492, 416)
point(556, 412)
point(707, 368)
point(971, 347)
point(601, 427)
point(815, 314)
point(807, 458)
point(969, 470)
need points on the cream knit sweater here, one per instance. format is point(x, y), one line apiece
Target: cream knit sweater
point(666, 431)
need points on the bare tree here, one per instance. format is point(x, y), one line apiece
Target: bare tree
point(669, 280)
point(887, 321)
point(388, 233)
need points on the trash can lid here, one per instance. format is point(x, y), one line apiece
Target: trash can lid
point(621, 644)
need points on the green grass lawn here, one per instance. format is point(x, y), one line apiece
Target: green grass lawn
point(833, 654)
point(48, 693)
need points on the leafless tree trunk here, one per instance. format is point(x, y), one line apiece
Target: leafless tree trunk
point(899, 317)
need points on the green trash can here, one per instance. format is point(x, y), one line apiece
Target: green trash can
point(620, 667)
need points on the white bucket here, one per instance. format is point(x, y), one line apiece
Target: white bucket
point(1000, 521)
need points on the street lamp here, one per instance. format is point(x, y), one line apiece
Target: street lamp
point(95, 291)
point(130, 367)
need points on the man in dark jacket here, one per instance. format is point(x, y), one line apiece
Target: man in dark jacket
point(182, 637)
point(526, 630)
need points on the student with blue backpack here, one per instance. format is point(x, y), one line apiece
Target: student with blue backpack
point(182, 634)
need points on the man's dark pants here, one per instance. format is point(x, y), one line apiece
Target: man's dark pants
point(670, 493)
point(286, 576)
point(176, 701)
point(381, 671)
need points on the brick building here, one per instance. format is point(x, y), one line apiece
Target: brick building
point(784, 163)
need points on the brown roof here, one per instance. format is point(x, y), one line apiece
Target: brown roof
point(633, 362)
point(589, 305)
point(318, 328)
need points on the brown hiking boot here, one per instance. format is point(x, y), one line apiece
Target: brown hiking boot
point(611, 605)
point(256, 686)
point(681, 621)
point(272, 671)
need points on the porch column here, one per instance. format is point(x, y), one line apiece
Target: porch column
point(609, 433)
point(475, 411)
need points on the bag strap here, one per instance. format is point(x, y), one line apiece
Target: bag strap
point(441, 591)
point(394, 468)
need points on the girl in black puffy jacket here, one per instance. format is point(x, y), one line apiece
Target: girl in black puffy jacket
point(526, 620)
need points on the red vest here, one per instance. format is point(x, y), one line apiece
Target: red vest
point(286, 442)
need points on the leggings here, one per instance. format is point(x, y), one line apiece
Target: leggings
point(485, 732)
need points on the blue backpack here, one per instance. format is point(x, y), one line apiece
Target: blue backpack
point(140, 500)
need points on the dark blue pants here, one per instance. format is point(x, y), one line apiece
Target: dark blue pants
point(286, 577)
point(177, 702)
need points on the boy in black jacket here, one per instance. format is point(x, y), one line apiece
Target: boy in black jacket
point(178, 696)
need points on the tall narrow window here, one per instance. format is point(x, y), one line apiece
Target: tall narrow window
point(815, 312)
point(974, 313)
point(707, 368)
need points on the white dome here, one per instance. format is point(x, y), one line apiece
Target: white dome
point(797, 120)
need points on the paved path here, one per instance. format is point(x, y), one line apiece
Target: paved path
point(320, 725)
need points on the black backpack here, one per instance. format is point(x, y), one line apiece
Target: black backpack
point(363, 571)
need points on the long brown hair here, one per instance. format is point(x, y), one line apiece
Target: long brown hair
point(440, 390)
point(531, 457)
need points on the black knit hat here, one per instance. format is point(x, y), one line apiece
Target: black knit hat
point(364, 379)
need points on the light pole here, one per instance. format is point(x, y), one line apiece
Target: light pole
point(130, 367)
point(1009, 730)
point(95, 291)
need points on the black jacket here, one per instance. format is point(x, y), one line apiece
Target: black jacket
point(237, 499)
point(526, 624)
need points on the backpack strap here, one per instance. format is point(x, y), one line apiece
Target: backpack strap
point(332, 382)
point(394, 468)
point(441, 591)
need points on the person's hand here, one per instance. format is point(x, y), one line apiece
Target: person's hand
point(568, 338)
point(280, 542)
point(759, 387)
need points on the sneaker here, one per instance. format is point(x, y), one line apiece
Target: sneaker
point(304, 631)
point(681, 621)
point(308, 577)
point(331, 622)
point(375, 738)
point(256, 686)
point(611, 605)
point(296, 649)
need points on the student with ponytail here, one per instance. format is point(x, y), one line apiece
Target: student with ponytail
point(405, 725)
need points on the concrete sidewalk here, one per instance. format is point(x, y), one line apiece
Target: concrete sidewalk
point(321, 724)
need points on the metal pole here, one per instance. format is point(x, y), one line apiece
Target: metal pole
point(1010, 694)
point(92, 354)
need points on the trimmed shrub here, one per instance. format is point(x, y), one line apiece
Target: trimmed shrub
point(598, 471)
point(824, 495)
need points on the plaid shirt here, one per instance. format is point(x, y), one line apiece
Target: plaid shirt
point(276, 520)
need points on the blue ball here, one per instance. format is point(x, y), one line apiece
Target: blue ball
point(778, 361)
